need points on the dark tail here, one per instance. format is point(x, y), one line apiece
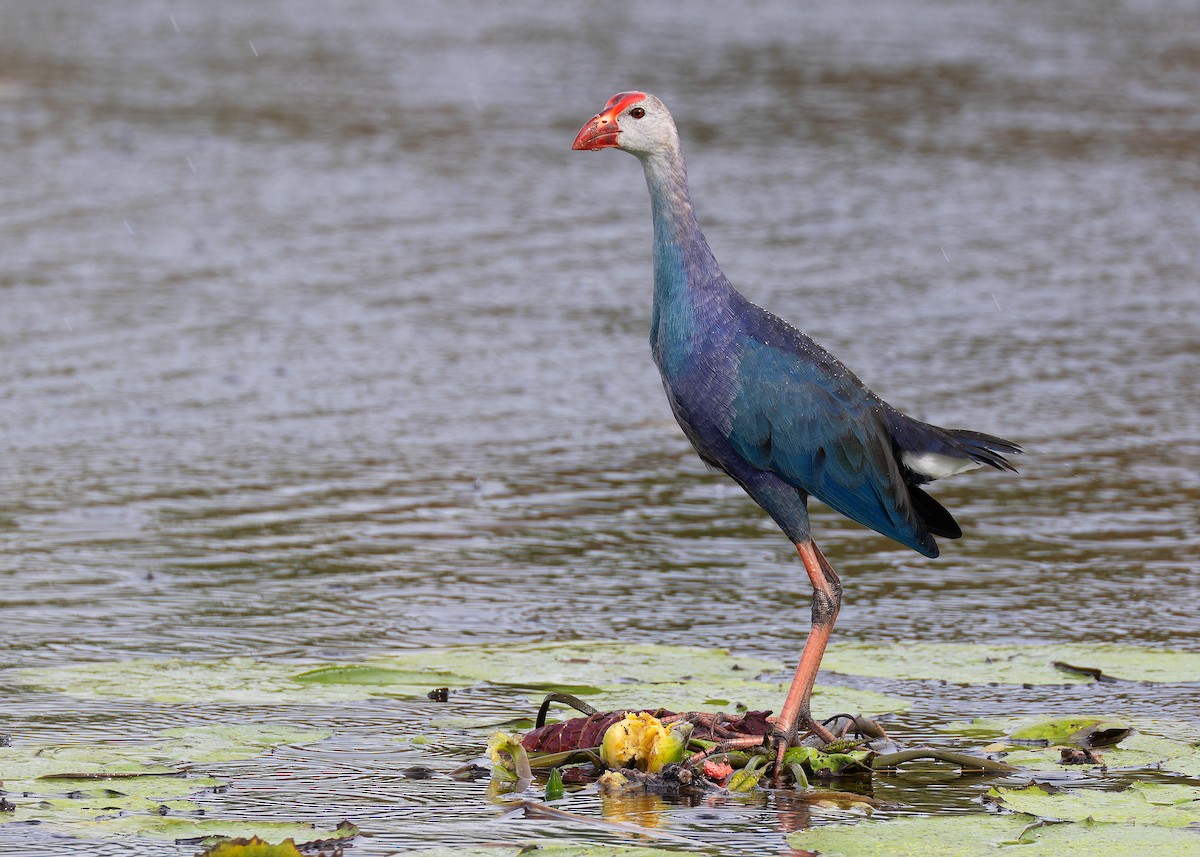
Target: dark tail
point(985, 448)
point(933, 514)
point(918, 438)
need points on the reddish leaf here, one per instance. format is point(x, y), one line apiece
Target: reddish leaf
point(751, 723)
point(580, 733)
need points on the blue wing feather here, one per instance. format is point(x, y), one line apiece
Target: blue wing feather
point(800, 414)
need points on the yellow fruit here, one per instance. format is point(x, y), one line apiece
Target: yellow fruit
point(644, 742)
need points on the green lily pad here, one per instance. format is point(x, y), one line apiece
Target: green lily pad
point(158, 788)
point(963, 663)
point(739, 695)
point(1141, 803)
point(974, 835)
point(547, 848)
point(73, 810)
point(1082, 731)
point(165, 755)
point(1138, 752)
point(586, 666)
point(610, 675)
point(379, 676)
point(109, 790)
point(225, 742)
point(634, 675)
point(601, 665)
point(21, 763)
point(1141, 750)
point(243, 681)
point(170, 828)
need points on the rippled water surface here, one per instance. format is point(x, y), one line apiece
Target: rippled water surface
point(316, 340)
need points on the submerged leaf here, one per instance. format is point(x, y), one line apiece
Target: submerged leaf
point(154, 768)
point(174, 827)
point(592, 665)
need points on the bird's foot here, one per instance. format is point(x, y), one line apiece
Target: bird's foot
point(833, 730)
point(803, 727)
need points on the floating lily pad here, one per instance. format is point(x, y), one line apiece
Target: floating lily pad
point(116, 817)
point(547, 848)
point(1141, 750)
point(21, 762)
point(608, 676)
point(243, 681)
point(111, 790)
point(1136, 752)
point(581, 666)
point(166, 754)
point(978, 835)
point(201, 829)
point(224, 742)
point(88, 809)
point(1141, 803)
point(152, 787)
point(1082, 731)
point(962, 663)
point(612, 676)
point(379, 676)
point(741, 695)
point(588, 664)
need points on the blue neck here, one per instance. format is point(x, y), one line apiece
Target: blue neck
point(682, 258)
point(685, 272)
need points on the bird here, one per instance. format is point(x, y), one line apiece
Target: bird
point(767, 405)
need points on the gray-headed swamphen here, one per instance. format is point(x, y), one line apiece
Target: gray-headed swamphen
point(777, 412)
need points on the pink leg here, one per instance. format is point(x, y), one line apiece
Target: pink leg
point(827, 600)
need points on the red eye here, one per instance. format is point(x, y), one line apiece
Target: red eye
point(637, 113)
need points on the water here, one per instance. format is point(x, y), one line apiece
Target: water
point(317, 340)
